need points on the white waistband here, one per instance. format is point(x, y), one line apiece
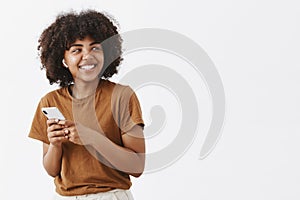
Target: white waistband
point(116, 194)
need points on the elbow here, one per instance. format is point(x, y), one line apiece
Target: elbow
point(136, 175)
point(51, 172)
point(138, 171)
point(135, 172)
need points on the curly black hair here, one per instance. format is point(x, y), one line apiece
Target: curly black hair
point(69, 27)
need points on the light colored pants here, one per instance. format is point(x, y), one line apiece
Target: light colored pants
point(116, 194)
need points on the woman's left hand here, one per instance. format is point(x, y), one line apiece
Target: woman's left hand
point(77, 133)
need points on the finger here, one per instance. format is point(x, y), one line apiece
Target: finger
point(61, 133)
point(59, 139)
point(52, 121)
point(66, 131)
point(66, 123)
point(54, 127)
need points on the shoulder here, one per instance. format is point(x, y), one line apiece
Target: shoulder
point(56, 95)
point(115, 88)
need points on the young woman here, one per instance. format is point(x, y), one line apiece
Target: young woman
point(94, 151)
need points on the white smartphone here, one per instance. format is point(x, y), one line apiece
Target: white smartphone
point(53, 113)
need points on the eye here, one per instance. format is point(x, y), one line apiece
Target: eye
point(74, 51)
point(97, 48)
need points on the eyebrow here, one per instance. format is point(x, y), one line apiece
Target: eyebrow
point(80, 45)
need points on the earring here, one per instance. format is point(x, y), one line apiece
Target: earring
point(64, 63)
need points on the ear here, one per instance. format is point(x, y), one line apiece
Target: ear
point(64, 63)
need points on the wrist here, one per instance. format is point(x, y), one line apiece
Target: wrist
point(57, 147)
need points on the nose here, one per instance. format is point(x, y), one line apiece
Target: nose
point(85, 55)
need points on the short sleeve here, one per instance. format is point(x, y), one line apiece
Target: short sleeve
point(130, 113)
point(38, 128)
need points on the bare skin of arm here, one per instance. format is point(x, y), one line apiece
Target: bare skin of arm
point(52, 152)
point(129, 158)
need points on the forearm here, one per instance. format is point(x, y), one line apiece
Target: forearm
point(122, 158)
point(52, 160)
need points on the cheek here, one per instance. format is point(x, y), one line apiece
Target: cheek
point(72, 60)
point(99, 57)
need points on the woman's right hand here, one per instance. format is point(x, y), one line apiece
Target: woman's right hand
point(56, 133)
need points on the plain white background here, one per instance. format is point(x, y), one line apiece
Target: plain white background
point(255, 47)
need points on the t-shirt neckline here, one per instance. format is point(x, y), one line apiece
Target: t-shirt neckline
point(98, 89)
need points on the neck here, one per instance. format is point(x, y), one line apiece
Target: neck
point(81, 90)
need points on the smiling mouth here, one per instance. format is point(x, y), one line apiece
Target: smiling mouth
point(87, 67)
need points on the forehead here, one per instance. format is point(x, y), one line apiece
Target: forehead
point(88, 40)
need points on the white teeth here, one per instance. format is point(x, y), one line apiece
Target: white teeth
point(87, 67)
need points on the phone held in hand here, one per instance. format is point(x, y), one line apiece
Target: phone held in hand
point(53, 113)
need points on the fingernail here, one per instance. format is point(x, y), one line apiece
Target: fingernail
point(56, 120)
point(66, 131)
